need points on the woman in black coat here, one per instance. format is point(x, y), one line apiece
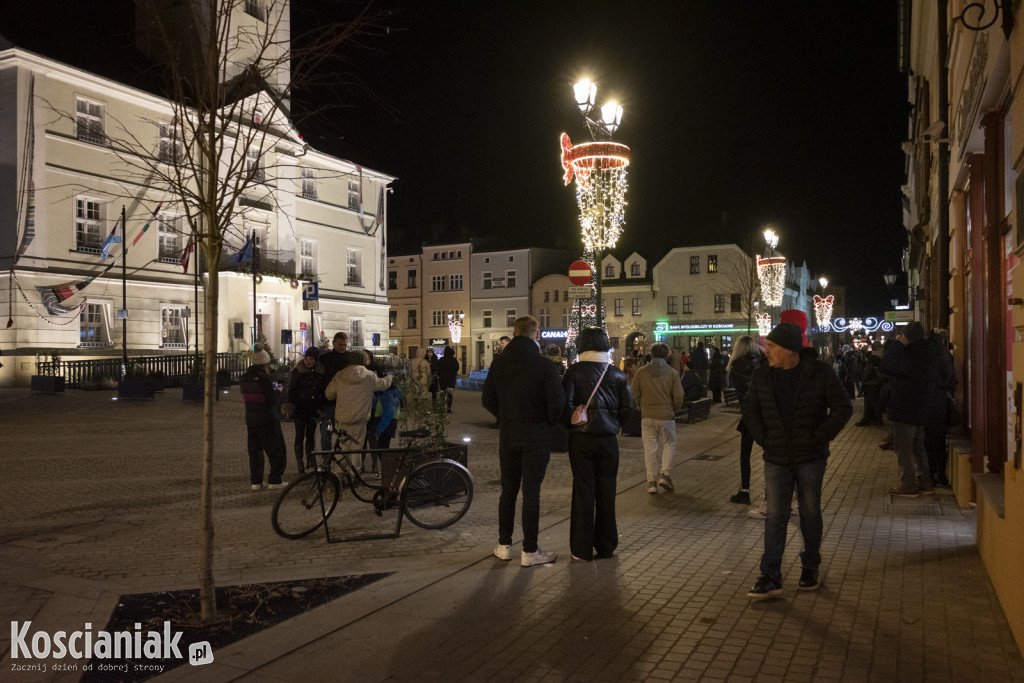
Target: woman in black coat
point(594, 446)
point(716, 375)
point(744, 361)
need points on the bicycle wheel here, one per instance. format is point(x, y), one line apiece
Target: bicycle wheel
point(297, 511)
point(438, 494)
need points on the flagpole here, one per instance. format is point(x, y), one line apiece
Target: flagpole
point(124, 295)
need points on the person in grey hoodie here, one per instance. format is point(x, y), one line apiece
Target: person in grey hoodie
point(658, 394)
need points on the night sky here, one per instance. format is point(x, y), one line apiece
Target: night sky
point(738, 114)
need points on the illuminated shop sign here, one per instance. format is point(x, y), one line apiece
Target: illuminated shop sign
point(698, 327)
point(553, 334)
point(440, 341)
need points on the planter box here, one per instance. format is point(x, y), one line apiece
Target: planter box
point(46, 384)
point(193, 392)
point(134, 390)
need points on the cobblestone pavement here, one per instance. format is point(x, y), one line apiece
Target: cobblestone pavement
point(100, 498)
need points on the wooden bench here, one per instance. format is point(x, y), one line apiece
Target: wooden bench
point(731, 397)
point(694, 411)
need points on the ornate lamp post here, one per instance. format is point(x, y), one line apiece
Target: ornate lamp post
point(600, 171)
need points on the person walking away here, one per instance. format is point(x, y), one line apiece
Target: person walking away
point(795, 406)
point(262, 424)
point(304, 394)
point(745, 359)
point(352, 388)
point(716, 375)
point(434, 385)
point(420, 377)
point(522, 391)
point(871, 385)
point(658, 394)
point(700, 362)
point(937, 426)
point(447, 375)
point(333, 362)
point(912, 365)
point(693, 387)
point(593, 446)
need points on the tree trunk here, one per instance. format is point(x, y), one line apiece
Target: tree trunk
point(207, 586)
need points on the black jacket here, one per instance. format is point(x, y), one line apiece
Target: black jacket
point(742, 372)
point(611, 406)
point(523, 392)
point(693, 386)
point(822, 409)
point(448, 371)
point(259, 396)
point(333, 363)
point(305, 389)
point(914, 380)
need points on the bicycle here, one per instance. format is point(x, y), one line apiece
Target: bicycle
point(433, 491)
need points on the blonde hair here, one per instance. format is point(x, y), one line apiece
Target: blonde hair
point(744, 345)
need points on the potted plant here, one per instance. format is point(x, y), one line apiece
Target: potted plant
point(421, 409)
point(133, 385)
point(49, 380)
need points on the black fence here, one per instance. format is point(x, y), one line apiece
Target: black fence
point(175, 369)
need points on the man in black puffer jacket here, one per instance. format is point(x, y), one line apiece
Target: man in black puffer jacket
point(796, 405)
point(523, 391)
point(912, 365)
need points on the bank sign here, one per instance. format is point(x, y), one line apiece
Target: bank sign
point(697, 327)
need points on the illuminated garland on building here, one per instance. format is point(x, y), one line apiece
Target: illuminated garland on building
point(600, 171)
point(771, 272)
point(823, 309)
point(764, 323)
point(868, 325)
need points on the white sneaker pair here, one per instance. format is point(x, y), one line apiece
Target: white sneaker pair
point(504, 552)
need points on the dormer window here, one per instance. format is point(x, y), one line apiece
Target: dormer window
point(609, 271)
point(634, 270)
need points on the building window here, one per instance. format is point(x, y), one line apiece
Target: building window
point(556, 295)
point(254, 8)
point(307, 259)
point(547, 296)
point(354, 271)
point(510, 317)
point(437, 283)
point(687, 304)
point(694, 265)
point(545, 318)
point(308, 184)
point(412, 319)
point(637, 305)
point(94, 325)
point(411, 281)
point(609, 271)
point(88, 217)
point(171, 149)
point(565, 318)
point(712, 263)
point(437, 318)
point(672, 305)
point(392, 319)
point(487, 318)
point(734, 303)
point(455, 282)
point(487, 280)
point(353, 198)
point(172, 327)
point(254, 165)
point(355, 333)
point(719, 303)
point(168, 240)
point(392, 279)
point(565, 295)
point(510, 278)
point(634, 270)
point(618, 307)
point(89, 122)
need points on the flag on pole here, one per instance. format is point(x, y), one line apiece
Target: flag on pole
point(111, 240)
point(188, 252)
point(244, 254)
point(146, 226)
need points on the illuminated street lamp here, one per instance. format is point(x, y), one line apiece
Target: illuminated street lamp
point(771, 271)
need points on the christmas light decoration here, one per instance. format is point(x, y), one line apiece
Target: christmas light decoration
point(584, 312)
point(868, 325)
point(764, 323)
point(455, 327)
point(823, 309)
point(600, 171)
point(771, 272)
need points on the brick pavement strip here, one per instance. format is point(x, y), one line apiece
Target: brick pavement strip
point(101, 498)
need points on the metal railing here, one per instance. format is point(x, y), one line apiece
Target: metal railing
point(175, 369)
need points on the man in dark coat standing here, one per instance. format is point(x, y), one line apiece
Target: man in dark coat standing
point(261, 422)
point(523, 391)
point(912, 366)
point(795, 406)
point(333, 362)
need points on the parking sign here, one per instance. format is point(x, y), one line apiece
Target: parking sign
point(310, 291)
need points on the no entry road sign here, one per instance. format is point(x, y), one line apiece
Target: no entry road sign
point(579, 273)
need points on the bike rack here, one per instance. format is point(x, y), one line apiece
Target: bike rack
point(364, 537)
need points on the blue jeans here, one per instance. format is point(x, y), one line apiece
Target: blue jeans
point(523, 463)
point(779, 482)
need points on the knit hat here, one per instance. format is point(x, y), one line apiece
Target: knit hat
point(788, 336)
point(798, 318)
point(312, 352)
point(260, 357)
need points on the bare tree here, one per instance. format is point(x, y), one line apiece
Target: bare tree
point(741, 276)
point(230, 68)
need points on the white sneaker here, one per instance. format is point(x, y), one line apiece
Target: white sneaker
point(503, 552)
point(277, 486)
point(652, 487)
point(256, 487)
point(759, 512)
point(537, 557)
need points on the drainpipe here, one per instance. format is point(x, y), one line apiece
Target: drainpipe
point(942, 219)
